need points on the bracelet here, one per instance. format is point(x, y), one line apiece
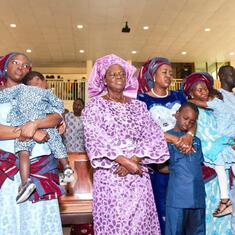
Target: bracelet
point(190, 133)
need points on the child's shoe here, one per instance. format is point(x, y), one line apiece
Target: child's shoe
point(68, 175)
point(25, 191)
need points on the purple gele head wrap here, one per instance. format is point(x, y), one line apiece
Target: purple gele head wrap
point(96, 84)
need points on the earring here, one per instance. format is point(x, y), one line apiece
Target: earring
point(5, 70)
point(105, 83)
point(192, 96)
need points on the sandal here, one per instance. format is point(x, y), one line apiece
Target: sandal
point(224, 208)
point(68, 175)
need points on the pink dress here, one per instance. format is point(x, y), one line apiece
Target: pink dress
point(122, 205)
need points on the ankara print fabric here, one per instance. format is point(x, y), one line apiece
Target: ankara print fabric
point(74, 133)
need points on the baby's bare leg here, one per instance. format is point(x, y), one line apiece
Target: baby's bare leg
point(24, 166)
point(64, 162)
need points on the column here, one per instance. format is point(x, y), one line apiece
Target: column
point(89, 65)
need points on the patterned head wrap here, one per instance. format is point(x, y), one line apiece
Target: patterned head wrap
point(4, 61)
point(96, 79)
point(193, 79)
point(147, 72)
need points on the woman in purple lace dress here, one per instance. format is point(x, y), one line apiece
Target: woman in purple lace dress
point(120, 139)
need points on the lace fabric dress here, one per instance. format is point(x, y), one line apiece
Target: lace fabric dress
point(122, 205)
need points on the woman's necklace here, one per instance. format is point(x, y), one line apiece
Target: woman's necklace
point(121, 100)
point(160, 96)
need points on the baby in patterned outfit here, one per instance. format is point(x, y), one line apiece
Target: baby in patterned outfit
point(30, 103)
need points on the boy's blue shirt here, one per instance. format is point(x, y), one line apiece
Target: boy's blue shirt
point(186, 188)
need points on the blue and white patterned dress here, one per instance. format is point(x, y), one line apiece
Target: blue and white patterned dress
point(212, 143)
point(225, 116)
point(30, 103)
point(229, 100)
point(40, 218)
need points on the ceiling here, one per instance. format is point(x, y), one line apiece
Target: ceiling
point(48, 27)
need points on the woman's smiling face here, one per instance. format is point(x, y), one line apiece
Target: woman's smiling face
point(200, 92)
point(115, 78)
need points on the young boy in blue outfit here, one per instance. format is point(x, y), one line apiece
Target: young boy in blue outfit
point(185, 202)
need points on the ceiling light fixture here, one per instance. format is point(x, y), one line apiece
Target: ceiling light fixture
point(145, 27)
point(12, 25)
point(80, 26)
point(126, 29)
point(81, 51)
point(134, 52)
point(184, 52)
point(28, 50)
point(231, 53)
point(207, 29)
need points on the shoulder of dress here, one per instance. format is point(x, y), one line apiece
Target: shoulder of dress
point(95, 102)
point(137, 102)
point(142, 96)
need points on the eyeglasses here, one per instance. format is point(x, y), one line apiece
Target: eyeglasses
point(115, 75)
point(23, 65)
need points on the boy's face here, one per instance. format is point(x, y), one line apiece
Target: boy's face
point(36, 81)
point(185, 119)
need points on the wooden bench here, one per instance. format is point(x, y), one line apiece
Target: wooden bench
point(76, 204)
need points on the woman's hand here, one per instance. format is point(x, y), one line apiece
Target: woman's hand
point(136, 159)
point(130, 165)
point(121, 171)
point(61, 128)
point(17, 131)
point(41, 136)
point(133, 167)
point(28, 130)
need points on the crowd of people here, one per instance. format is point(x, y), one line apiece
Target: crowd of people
point(163, 160)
